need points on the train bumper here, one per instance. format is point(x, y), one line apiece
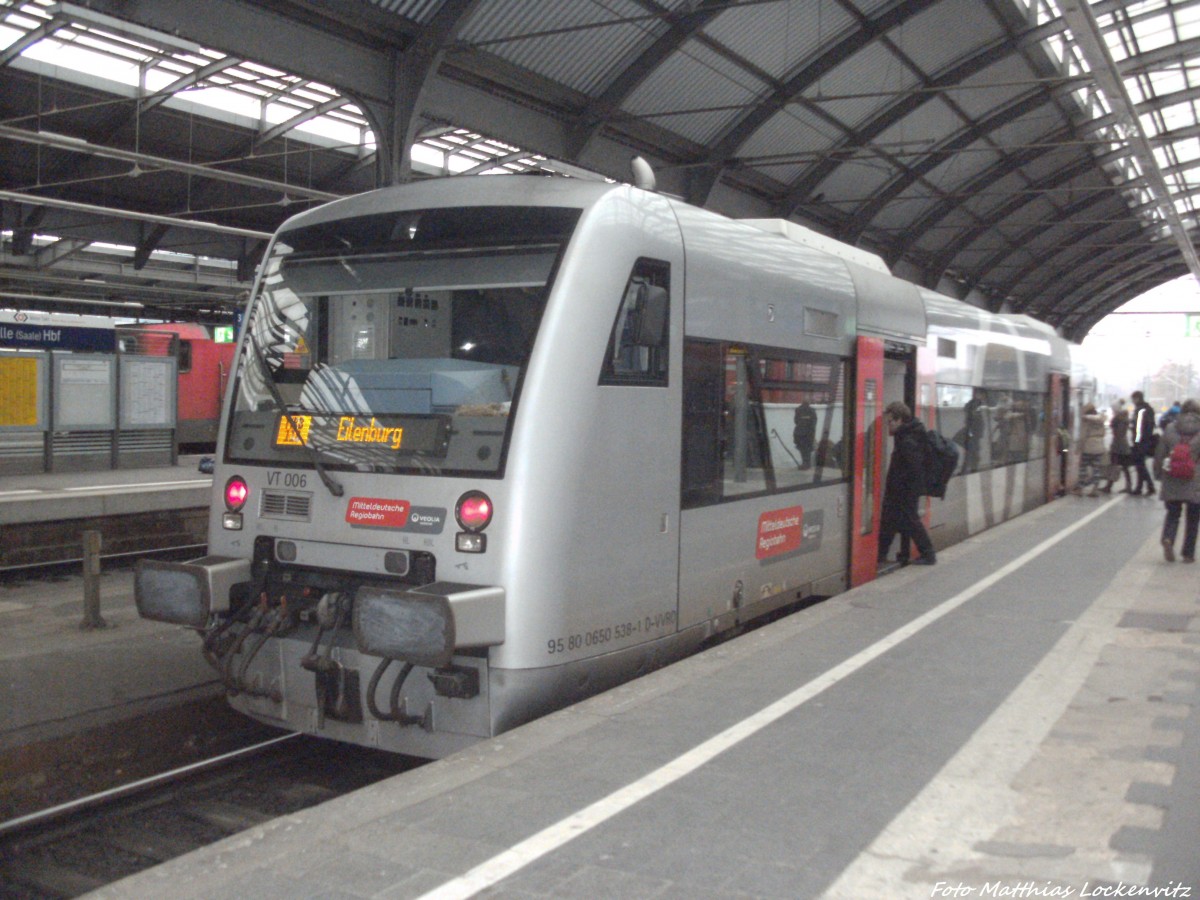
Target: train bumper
point(426, 625)
point(187, 593)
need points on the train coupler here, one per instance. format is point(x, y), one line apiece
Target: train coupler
point(456, 682)
point(337, 689)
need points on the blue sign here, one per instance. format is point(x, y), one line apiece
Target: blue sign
point(28, 336)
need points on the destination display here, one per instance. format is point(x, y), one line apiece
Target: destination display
point(411, 435)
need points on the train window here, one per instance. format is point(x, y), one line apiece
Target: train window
point(993, 427)
point(184, 356)
point(759, 421)
point(637, 348)
point(398, 342)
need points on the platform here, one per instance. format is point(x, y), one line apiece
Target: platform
point(1023, 716)
point(49, 496)
point(43, 516)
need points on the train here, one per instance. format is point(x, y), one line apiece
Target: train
point(494, 445)
point(204, 358)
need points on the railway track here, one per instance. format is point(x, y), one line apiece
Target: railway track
point(36, 545)
point(86, 844)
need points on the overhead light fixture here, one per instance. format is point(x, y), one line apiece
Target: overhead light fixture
point(72, 301)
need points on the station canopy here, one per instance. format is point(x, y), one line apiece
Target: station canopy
point(1033, 156)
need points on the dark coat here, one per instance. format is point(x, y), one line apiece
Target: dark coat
point(1143, 427)
point(906, 471)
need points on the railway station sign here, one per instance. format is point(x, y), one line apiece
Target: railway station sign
point(34, 336)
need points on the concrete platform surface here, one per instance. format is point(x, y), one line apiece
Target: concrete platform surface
point(1020, 720)
point(54, 496)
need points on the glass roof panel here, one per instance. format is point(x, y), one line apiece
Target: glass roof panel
point(1187, 20)
point(1138, 35)
point(247, 88)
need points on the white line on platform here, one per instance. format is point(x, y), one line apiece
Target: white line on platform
point(504, 864)
point(138, 484)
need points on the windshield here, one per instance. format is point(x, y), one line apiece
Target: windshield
point(395, 342)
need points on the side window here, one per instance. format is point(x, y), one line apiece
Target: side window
point(759, 421)
point(184, 356)
point(993, 427)
point(803, 401)
point(638, 345)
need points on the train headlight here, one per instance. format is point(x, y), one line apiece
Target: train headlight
point(236, 492)
point(474, 511)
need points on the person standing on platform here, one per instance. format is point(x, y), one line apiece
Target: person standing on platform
point(1180, 494)
point(1142, 426)
point(904, 486)
point(1091, 451)
point(1119, 450)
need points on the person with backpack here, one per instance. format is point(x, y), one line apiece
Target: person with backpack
point(1175, 463)
point(906, 482)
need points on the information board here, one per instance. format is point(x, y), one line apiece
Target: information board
point(23, 391)
point(84, 392)
point(148, 387)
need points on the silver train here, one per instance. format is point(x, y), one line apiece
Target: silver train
point(497, 444)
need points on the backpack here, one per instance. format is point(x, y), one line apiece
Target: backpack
point(941, 460)
point(1179, 463)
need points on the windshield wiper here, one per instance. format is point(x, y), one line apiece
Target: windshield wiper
point(334, 486)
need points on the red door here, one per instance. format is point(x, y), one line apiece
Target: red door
point(868, 460)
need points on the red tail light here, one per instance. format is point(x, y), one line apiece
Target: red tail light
point(474, 511)
point(236, 492)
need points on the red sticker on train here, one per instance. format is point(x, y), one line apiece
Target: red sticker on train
point(378, 512)
point(779, 531)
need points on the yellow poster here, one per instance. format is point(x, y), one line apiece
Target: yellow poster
point(18, 391)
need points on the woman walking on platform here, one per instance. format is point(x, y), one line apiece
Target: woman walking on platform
point(1119, 449)
point(1180, 493)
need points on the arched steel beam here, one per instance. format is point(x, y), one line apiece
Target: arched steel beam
point(944, 258)
point(1070, 271)
point(1120, 285)
point(1091, 43)
point(801, 188)
point(1021, 242)
point(705, 176)
point(865, 214)
point(987, 223)
point(414, 68)
point(1116, 268)
point(1128, 291)
point(159, 97)
point(681, 27)
point(804, 186)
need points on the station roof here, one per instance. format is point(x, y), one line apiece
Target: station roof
point(1037, 156)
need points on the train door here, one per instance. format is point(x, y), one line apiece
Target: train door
point(1058, 431)
point(886, 373)
point(867, 488)
point(899, 383)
